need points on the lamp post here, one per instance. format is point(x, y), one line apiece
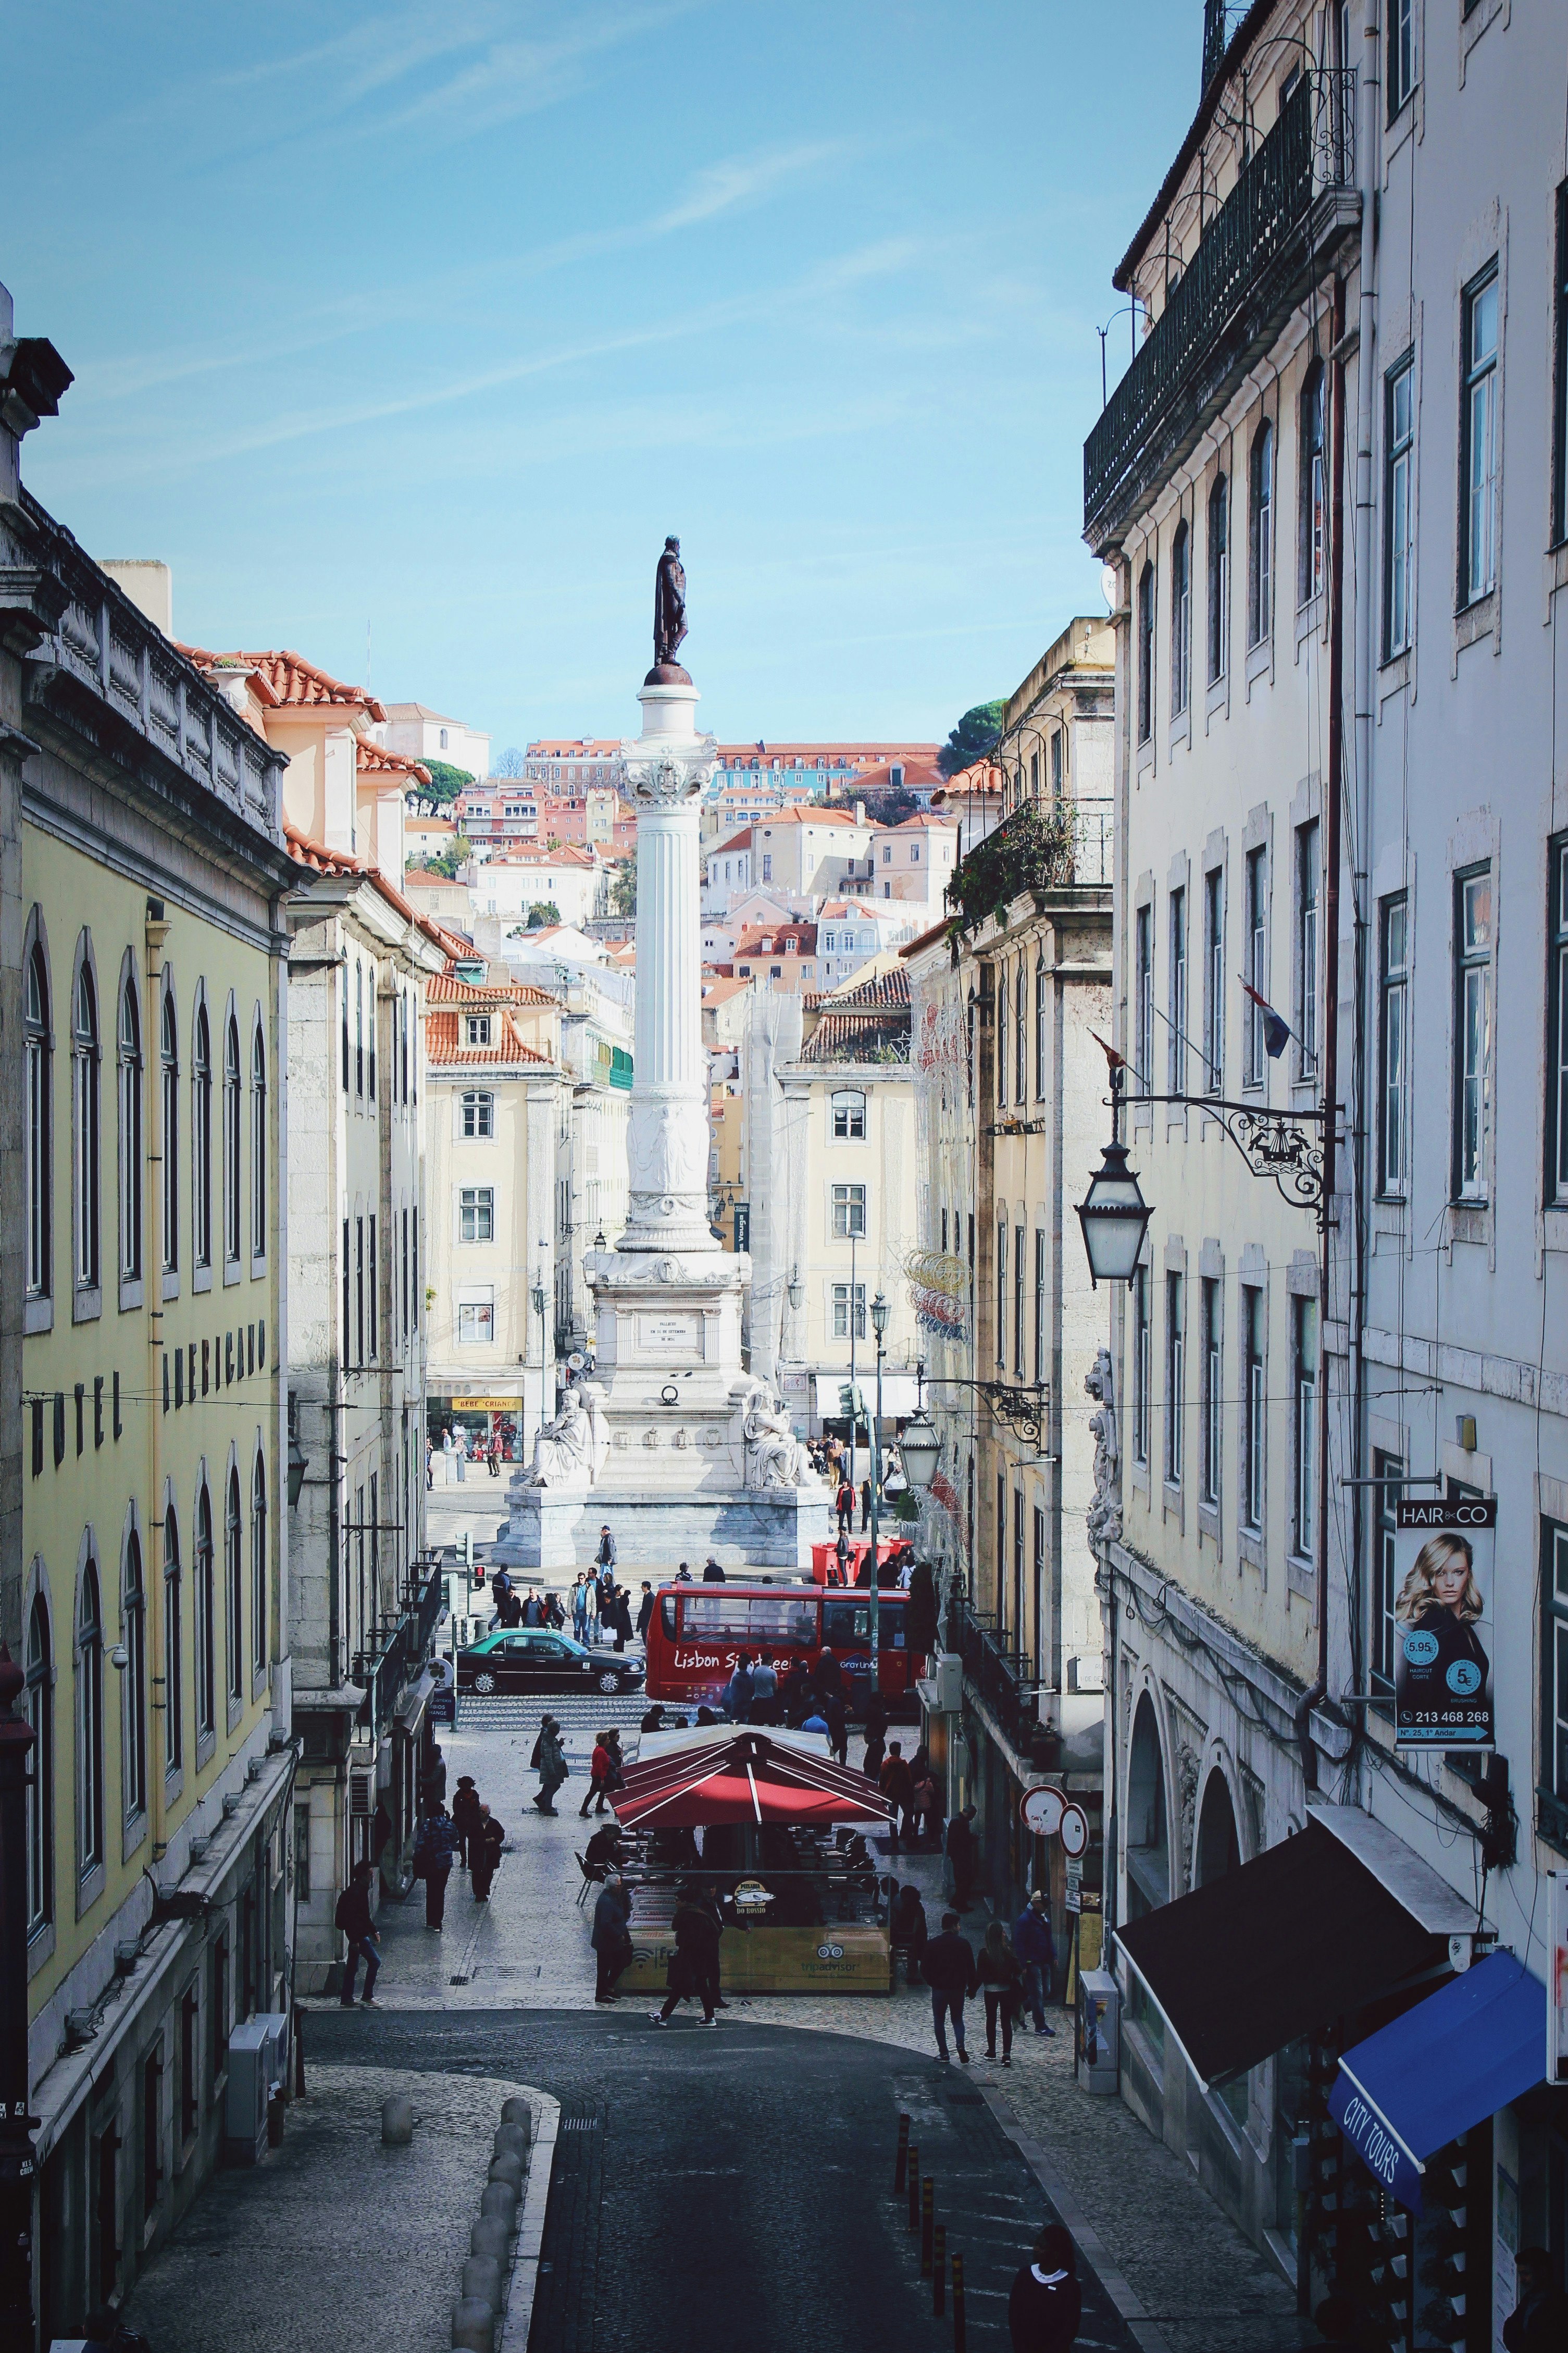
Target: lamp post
point(854, 1319)
point(539, 1307)
point(880, 1326)
point(1113, 1213)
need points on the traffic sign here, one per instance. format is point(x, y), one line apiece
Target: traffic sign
point(1041, 1809)
point(1074, 1830)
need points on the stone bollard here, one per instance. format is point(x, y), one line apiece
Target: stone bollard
point(396, 2121)
point(473, 2325)
point(505, 2167)
point(490, 2236)
point(499, 2198)
point(519, 2111)
point(513, 2139)
point(481, 2278)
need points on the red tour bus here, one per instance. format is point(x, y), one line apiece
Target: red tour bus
point(698, 1632)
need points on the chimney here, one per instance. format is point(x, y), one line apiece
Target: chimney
point(859, 812)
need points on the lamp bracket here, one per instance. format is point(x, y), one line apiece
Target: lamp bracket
point(1286, 1145)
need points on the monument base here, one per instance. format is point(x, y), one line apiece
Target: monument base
point(747, 1527)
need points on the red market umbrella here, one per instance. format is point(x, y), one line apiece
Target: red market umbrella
point(749, 1778)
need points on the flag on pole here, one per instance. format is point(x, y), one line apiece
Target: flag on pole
point(1276, 1030)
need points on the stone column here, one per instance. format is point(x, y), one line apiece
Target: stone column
point(668, 1133)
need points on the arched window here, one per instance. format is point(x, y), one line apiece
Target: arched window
point(84, 1123)
point(1020, 1032)
point(1313, 524)
point(169, 1060)
point(1181, 619)
point(258, 1144)
point(1145, 653)
point(1219, 579)
point(41, 1788)
point(130, 1092)
point(1218, 1848)
point(90, 1722)
point(174, 1648)
point(232, 1195)
point(233, 1589)
point(133, 1683)
point(206, 1679)
point(1260, 537)
point(37, 1045)
point(202, 1141)
point(1148, 1832)
point(848, 1109)
point(258, 1612)
point(1000, 1040)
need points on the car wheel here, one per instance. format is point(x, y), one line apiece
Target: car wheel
point(484, 1684)
point(609, 1682)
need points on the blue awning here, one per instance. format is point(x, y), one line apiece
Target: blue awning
point(1464, 2052)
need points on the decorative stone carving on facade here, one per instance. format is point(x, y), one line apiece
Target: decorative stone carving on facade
point(657, 777)
point(1187, 1806)
point(775, 1456)
point(1104, 1516)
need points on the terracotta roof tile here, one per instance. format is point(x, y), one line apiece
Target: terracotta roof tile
point(751, 940)
point(443, 1044)
point(375, 760)
point(446, 988)
point(291, 678)
point(882, 992)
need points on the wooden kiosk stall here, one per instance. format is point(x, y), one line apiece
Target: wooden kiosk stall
point(775, 1826)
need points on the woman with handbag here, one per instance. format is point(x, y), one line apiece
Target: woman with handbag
point(1001, 1982)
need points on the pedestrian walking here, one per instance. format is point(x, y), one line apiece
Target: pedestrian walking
point(836, 1709)
point(355, 1918)
point(865, 1505)
point(1000, 1985)
point(951, 1975)
point(683, 1574)
point(959, 1847)
point(845, 1501)
point(549, 1762)
point(465, 1814)
point(429, 1466)
point(484, 1850)
point(532, 1610)
point(764, 1691)
point(1036, 1952)
point(928, 1815)
point(907, 1930)
point(694, 1964)
point(432, 1790)
point(738, 1691)
point(897, 1786)
point(598, 1777)
point(460, 1456)
point(876, 1736)
point(623, 1618)
point(607, 1554)
point(841, 1558)
point(645, 1612)
point(1046, 2301)
point(434, 1846)
point(611, 1940)
point(495, 1458)
point(713, 1572)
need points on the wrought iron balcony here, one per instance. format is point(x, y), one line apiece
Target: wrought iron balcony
point(999, 1675)
point(1051, 843)
point(402, 1646)
point(1293, 206)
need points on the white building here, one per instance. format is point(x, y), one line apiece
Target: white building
point(420, 734)
point(571, 880)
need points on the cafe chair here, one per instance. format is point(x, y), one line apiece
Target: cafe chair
point(592, 1877)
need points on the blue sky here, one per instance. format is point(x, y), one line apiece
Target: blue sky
point(436, 319)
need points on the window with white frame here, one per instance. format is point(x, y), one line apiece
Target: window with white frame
point(1307, 859)
point(1304, 1401)
point(1176, 1375)
point(1213, 979)
point(1398, 506)
point(1401, 54)
point(1393, 1044)
point(1557, 1022)
point(476, 1213)
point(1001, 1038)
point(38, 1113)
point(1254, 1406)
point(476, 1319)
point(1478, 434)
point(84, 1121)
point(1260, 537)
point(1143, 1002)
point(479, 1110)
point(130, 1107)
point(1178, 1040)
point(848, 1108)
point(1256, 957)
point(1141, 1366)
point(1145, 653)
point(1473, 946)
point(477, 1029)
point(1219, 579)
point(1312, 527)
point(1213, 1390)
point(1181, 619)
point(848, 1300)
point(848, 1212)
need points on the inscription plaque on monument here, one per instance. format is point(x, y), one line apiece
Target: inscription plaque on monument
point(669, 1335)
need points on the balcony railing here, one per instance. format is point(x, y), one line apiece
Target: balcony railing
point(999, 1675)
point(1232, 289)
point(1042, 845)
point(404, 1645)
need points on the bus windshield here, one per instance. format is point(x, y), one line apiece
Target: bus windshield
point(779, 1620)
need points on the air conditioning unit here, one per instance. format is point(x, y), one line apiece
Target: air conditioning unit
point(252, 2048)
point(949, 1683)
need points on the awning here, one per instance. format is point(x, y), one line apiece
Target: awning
point(748, 1778)
point(1466, 2051)
point(1290, 1940)
point(901, 1393)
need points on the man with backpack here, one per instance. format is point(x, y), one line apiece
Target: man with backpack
point(355, 1918)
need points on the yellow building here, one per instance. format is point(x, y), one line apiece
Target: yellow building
point(146, 1594)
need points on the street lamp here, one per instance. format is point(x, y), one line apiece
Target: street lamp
point(1113, 1213)
point(299, 1463)
point(795, 1291)
point(920, 1450)
point(880, 1327)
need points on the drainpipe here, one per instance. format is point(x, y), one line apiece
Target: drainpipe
point(153, 1278)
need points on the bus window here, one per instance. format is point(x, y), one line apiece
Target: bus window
point(667, 1615)
point(846, 1625)
point(709, 1617)
point(788, 1621)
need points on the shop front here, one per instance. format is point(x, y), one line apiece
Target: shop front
point(491, 1426)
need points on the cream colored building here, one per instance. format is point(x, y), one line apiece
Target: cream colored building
point(416, 732)
point(144, 874)
point(913, 860)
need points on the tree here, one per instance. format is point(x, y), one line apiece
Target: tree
point(890, 803)
point(447, 863)
point(973, 737)
point(446, 784)
point(509, 762)
point(624, 889)
point(543, 911)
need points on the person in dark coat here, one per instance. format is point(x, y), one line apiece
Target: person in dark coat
point(599, 1772)
point(1037, 1951)
point(959, 1848)
point(694, 1964)
point(828, 1676)
point(876, 1736)
point(645, 1612)
point(896, 1785)
point(1000, 1986)
point(611, 1941)
point(713, 1573)
point(907, 1930)
point(951, 1975)
point(1046, 2303)
point(865, 1505)
point(465, 1814)
point(484, 1855)
point(354, 1918)
point(434, 1846)
point(1538, 2321)
point(621, 1614)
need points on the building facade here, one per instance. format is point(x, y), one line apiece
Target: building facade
point(145, 879)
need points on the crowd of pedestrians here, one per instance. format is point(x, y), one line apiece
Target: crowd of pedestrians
point(466, 1837)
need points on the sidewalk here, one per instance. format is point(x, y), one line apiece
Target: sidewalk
point(1198, 2284)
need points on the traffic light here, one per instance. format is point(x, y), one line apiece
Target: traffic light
point(851, 1404)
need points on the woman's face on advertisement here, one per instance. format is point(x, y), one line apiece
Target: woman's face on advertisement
point(1451, 1579)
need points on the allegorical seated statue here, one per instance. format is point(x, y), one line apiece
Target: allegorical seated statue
point(775, 1456)
point(565, 1451)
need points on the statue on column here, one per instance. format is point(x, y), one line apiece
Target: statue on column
point(668, 617)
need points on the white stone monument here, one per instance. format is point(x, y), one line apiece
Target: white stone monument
point(670, 1440)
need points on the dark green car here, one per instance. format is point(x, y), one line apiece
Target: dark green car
point(535, 1658)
